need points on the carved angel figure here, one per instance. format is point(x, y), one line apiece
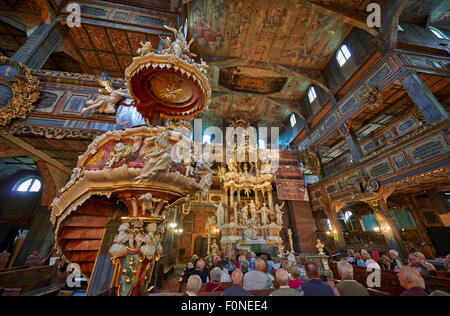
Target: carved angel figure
point(107, 100)
point(120, 240)
point(146, 48)
point(279, 213)
point(116, 155)
point(156, 154)
point(205, 172)
point(151, 242)
point(148, 202)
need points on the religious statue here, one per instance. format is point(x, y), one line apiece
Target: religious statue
point(156, 154)
point(214, 249)
point(107, 100)
point(205, 172)
point(152, 243)
point(220, 213)
point(120, 240)
point(266, 167)
point(179, 47)
point(279, 213)
point(148, 202)
point(231, 166)
point(244, 215)
point(146, 48)
point(253, 211)
point(291, 243)
point(264, 214)
point(320, 247)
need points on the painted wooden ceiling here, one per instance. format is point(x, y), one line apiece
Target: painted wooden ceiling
point(291, 38)
point(293, 33)
point(108, 50)
point(438, 12)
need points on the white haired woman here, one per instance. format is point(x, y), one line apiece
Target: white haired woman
point(214, 285)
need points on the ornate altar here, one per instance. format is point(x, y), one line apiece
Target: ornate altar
point(139, 166)
point(247, 214)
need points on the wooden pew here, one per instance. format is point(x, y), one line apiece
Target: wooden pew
point(389, 280)
point(34, 281)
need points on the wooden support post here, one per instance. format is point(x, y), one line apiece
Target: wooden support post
point(424, 99)
point(336, 227)
point(388, 227)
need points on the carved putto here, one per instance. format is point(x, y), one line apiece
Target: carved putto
point(107, 100)
point(132, 235)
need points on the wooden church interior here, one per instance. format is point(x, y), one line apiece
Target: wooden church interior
point(363, 126)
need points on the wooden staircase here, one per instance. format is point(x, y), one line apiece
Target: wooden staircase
point(81, 233)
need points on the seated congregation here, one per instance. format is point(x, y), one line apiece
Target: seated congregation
point(296, 276)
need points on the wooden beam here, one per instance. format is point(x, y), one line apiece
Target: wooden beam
point(36, 153)
point(355, 18)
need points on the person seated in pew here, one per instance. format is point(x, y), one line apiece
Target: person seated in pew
point(412, 281)
point(231, 266)
point(258, 279)
point(396, 263)
point(252, 261)
point(296, 281)
point(191, 265)
point(417, 262)
point(351, 257)
point(244, 266)
point(369, 262)
point(387, 264)
point(315, 286)
point(283, 280)
point(359, 260)
point(194, 284)
point(240, 259)
point(214, 284)
point(200, 270)
point(287, 266)
point(276, 263)
point(237, 288)
point(348, 286)
point(225, 275)
point(447, 265)
point(4, 257)
point(33, 260)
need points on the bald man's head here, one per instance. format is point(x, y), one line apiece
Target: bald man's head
point(260, 265)
point(282, 277)
point(410, 278)
point(237, 277)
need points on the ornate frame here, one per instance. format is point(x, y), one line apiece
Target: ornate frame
point(25, 92)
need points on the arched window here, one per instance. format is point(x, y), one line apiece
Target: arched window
point(312, 95)
point(343, 55)
point(28, 185)
point(293, 120)
point(438, 33)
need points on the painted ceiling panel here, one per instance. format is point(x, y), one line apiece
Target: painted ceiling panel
point(273, 31)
